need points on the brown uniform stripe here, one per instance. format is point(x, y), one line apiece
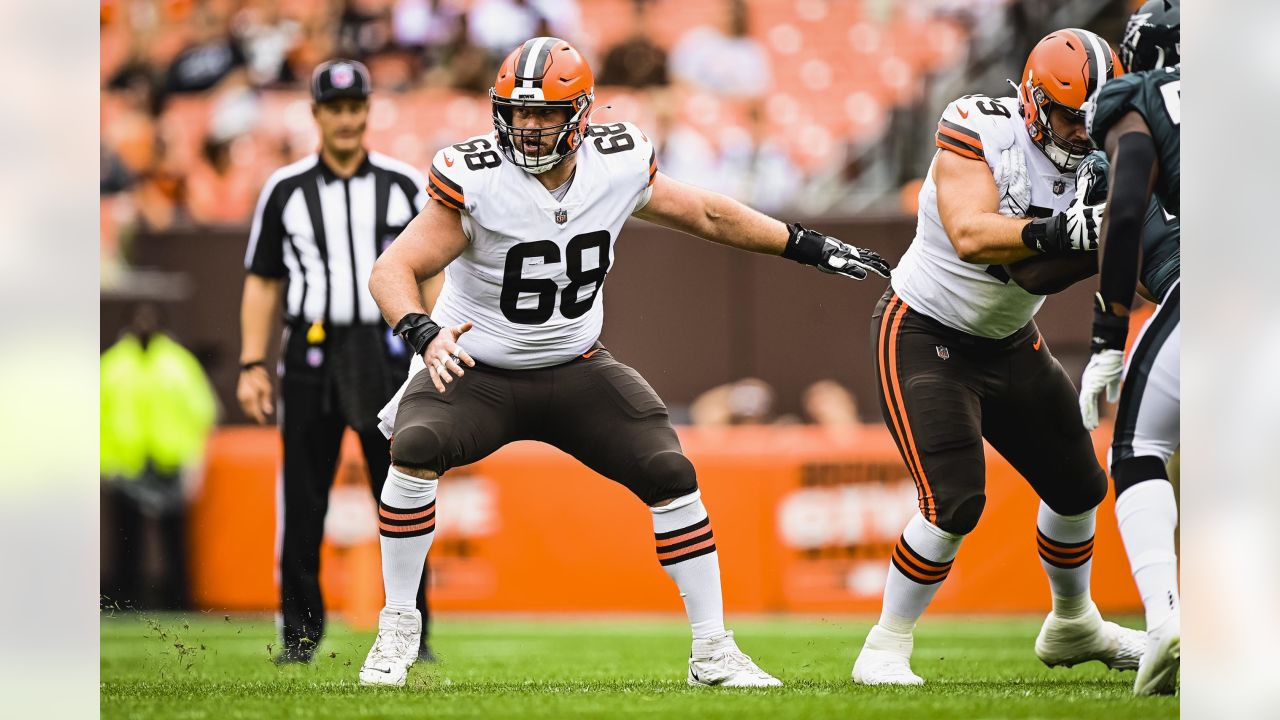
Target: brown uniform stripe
point(389, 513)
point(424, 527)
point(898, 409)
point(678, 540)
point(904, 566)
point(961, 132)
point(960, 148)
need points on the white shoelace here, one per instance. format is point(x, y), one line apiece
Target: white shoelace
point(391, 646)
point(737, 660)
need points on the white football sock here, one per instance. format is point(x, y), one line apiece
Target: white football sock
point(406, 524)
point(920, 562)
point(1148, 517)
point(687, 551)
point(1066, 554)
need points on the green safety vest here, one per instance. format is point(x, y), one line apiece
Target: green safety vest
point(157, 406)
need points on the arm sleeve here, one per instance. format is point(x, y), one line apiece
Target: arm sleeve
point(265, 254)
point(1127, 211)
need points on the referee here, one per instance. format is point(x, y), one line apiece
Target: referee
point(322, 222)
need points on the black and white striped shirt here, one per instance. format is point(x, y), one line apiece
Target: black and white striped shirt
point(324, 233)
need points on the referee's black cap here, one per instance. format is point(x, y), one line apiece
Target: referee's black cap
point(340, 78)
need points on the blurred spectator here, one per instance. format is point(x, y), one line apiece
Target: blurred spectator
point(364, 28)
point(637, 61)
point(430, 30)
point(268, 36)
point(830, 404)
point(744, 402)
point(684, 153)
point(563, 20)
point(157, 409)
point(757, 168)
point(213, 55)
point(218, 192)
point(467, 66)
point(499, 26)
point(161, 196)
point(728, 62)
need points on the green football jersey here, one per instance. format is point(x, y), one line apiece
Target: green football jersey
point(1161, 250)
point(1161, 242)
point(1157, 96)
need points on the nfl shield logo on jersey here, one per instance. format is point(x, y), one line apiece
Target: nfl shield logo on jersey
point(943, 352)
point(562, 217)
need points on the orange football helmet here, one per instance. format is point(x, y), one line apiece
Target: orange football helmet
point(542, 72)
point(1064, 70)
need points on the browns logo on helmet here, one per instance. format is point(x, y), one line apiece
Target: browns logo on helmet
point(1152, 38)
point(542, 72)
point(1063, 71)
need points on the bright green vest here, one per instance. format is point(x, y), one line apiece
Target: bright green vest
point(156, 405)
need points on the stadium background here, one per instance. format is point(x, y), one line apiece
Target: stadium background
point(825, 114)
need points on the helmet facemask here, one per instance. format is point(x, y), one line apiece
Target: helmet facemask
point(567, 135)
point(1151, 42)
point(1064, 153)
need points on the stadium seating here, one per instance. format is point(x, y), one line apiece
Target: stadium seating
point(837, 73)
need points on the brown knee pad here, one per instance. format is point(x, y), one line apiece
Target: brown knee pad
point(418, 446)
point(663, 476)
point(961, 516)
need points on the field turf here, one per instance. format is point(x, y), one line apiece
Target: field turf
point(216, 666)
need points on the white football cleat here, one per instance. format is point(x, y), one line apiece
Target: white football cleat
point(1158, 669)
point(885, 659)
point(718, 662)
point(395, 650)
point(1071, 641)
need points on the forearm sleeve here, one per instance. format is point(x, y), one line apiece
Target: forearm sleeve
point(1126, 211)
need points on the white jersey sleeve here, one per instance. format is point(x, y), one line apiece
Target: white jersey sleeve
point(631, 156)
point(462, 172)
point(979, 128)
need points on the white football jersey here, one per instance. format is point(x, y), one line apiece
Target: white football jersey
point(931, 278)
point(532, 278)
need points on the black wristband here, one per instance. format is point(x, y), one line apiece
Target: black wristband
point(418, 330)
point(804, 245)
point(1042, 234)
point(245, 367)
point(1109, 331)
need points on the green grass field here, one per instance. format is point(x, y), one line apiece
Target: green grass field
point(212, 666)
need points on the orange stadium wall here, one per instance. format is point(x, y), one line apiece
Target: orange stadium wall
point(804, 520)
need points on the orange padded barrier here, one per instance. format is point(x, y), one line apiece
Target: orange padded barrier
point(804, 520)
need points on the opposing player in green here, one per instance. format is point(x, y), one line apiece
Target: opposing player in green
point(1136, 119)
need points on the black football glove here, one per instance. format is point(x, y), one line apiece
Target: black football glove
point(1079, 227)
point(830, 255)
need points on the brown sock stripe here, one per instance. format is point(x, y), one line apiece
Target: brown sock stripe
point(686, 543)
point(905, 560)
point(394, 522)
point(1064, 555)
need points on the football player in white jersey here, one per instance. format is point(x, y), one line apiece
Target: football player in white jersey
point(523, 223)
point(960, 359)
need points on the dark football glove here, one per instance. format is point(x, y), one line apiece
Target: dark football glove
point(830, 255)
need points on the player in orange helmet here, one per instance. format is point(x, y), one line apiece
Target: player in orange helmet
point(523, 225)
point(1008, 212)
